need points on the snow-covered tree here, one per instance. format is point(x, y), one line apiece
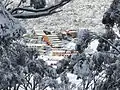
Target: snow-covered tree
point(20, 67)
point(99, 70)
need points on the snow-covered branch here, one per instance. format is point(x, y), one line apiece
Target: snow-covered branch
point(33, 12)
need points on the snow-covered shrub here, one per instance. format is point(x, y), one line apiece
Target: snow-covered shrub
point(84, 37)
point(9, 26)
point(21, 68)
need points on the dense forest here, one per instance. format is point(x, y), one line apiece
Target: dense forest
point(22, 69)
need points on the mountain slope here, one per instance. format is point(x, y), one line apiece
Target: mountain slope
point(76, 14)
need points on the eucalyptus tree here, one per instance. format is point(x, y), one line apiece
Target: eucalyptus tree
point(20, 67)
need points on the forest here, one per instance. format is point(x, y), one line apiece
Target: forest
point(22, 69)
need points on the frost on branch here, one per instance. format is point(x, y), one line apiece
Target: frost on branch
point(84, 38)
point(112, 16)
point(9, 26)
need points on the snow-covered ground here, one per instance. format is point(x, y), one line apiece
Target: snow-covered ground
point(76, 14)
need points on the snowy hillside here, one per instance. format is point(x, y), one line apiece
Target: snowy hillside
point(76, 14)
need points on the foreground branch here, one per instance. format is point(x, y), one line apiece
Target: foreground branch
point(107, 42)
point(35, 13)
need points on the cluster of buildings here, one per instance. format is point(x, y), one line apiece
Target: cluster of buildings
point(53, 44)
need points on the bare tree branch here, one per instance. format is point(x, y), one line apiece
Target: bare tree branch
point(19, 3)
point(35, 13)
point(62, 3)
point(7, 3)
